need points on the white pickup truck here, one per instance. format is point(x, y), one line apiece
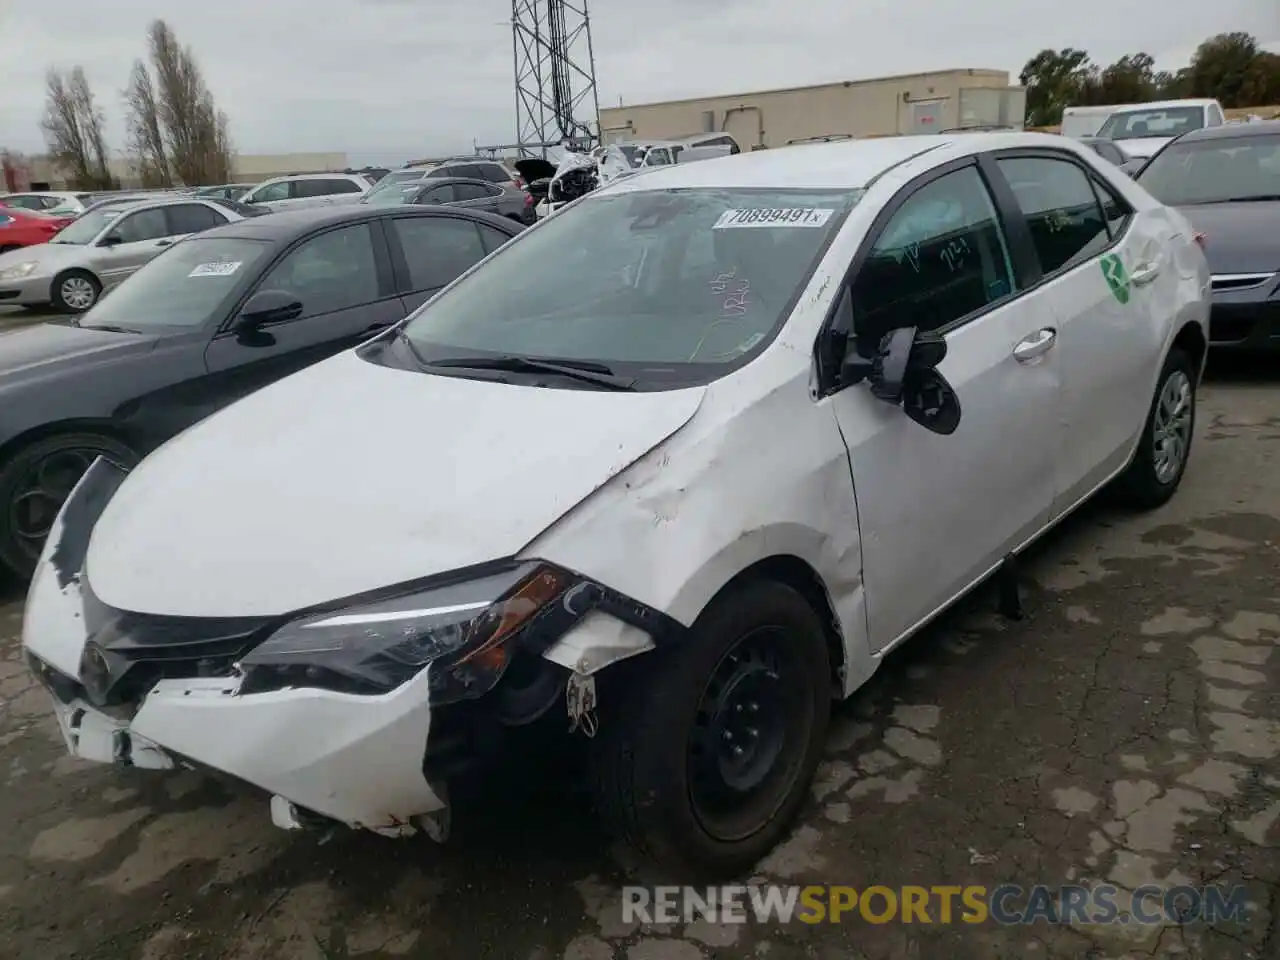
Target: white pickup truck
point(1140, 129)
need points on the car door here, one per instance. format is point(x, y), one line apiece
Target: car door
point(431, 251)
point(1096, 264)
point(135, 238)
point(343, 280)
point(477, 196)
point(936, 512)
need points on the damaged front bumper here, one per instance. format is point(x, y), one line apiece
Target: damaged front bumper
point(367, 760)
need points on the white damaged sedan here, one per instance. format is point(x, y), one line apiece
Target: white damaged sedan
point(665, 475)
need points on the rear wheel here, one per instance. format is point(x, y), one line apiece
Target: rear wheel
point(75, 291)
point(705, 765)
point(36, 480)
point(1165, 446)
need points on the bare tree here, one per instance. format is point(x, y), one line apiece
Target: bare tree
point(72, 127)
point(146, 138)
point(177, 133)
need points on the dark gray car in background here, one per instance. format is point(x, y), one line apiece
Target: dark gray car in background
point(1226, 181)
point(510, 202)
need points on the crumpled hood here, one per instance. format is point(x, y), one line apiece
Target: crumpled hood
point(50, 256)
point(40, 349)
point(1141, 146)
point(351, 476)
point(1239, 237)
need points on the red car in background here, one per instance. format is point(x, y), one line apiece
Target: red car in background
point(22, 228)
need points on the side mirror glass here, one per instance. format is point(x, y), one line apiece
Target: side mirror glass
point(904, 372)
point(263, 308)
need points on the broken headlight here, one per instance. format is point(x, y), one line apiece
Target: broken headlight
point(464, 631)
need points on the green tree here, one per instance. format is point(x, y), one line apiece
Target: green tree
point(1131, 79)
point(1222, 66)
point(1056, 79)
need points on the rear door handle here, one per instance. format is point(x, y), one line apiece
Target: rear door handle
point(164, 243)
point(1145, 274)
point(1035, 345)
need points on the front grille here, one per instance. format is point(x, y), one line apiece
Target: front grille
point(137, 650)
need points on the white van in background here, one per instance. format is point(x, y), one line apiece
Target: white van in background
point(1080, 122)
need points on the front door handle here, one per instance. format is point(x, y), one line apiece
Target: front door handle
point(1145, 274)
point(1037, 344)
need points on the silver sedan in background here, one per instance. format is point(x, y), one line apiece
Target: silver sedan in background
point(510, 202)
point(100, 250)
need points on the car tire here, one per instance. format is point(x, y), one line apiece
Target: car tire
point(1164, 448)
point(34, 482)
point(665, 750)
point(75, 291)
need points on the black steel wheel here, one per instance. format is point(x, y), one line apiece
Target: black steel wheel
point(34, 483)
point(705, 758)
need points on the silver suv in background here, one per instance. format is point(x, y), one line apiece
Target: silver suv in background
point(467, 168)
point(308, 190)
point(509, 202)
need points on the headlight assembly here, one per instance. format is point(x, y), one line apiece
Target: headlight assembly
point(464, 631)
point(19, 270)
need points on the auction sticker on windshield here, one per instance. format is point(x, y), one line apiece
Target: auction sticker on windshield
point(774, 217)
point(219, 268)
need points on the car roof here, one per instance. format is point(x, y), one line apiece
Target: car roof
point(845, 164)
point(288, 225)
point(1162, 105)
point(1232, 131)
point(307, 176)
point(436, 181)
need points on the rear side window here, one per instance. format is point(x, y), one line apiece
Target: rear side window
point(192, 218)
point(437, 249)
point(325, 188)
point(473, 191)
point(441, 194)
point(941, 257)
point(1062, 211)
point(494, 173)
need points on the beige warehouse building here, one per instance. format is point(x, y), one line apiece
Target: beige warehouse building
point(911, 103)
point(249, 168)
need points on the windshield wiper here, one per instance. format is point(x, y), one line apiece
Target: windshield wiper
point(109, 327)
point(585, 370)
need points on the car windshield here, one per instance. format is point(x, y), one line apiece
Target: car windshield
point(88, 225)
point(392, 182)
point(661, 282)
point(1215, 171)
point(394, 195)
point(1161, 122)
point(180, 289)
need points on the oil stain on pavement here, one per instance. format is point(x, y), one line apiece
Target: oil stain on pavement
point(1127, 732)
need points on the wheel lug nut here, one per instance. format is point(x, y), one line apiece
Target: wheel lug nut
point(752, 732)
point(737, 751)
point(728, 736)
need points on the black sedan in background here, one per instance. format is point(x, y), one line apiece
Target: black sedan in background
point(504, 201)
point(1226, 180)
point(211, 319)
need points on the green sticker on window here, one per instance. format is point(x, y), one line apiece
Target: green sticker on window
point(1116, 276)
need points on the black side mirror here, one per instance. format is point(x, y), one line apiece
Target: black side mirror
point(263, 308)
point(111, 240)
point(904, 371)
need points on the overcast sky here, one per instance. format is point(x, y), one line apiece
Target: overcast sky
point(387, 80)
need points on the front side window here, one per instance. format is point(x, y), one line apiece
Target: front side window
point(676, 285)
point(185, 287)
point(86, 227)
point(1220, 170)
point(1160, 122)
point(143, 225)
point(334, 271)
point(1061, 209)
point(941, 257)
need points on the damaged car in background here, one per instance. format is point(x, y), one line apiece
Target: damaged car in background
point(743, 427)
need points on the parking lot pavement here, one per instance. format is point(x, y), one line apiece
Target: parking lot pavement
point(16, 317)
point(1127, 731)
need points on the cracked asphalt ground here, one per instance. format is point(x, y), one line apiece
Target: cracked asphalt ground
point(1127, 731)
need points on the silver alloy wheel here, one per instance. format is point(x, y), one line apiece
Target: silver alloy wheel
point(77, 293)
point(1171, 426)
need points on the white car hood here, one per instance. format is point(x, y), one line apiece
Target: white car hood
point(351, 476)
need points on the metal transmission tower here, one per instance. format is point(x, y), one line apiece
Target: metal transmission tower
point(555, 75)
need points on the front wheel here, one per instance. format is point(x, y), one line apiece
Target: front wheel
point(35, 482)
point(705, 764)
point(1165, 446)
point(75, 291)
